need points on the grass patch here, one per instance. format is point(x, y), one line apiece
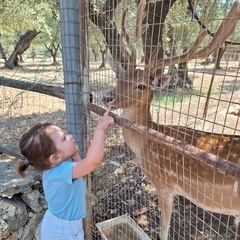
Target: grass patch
point(172, 98)
point(98, 83)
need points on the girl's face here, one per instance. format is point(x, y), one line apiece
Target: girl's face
point(65, 144)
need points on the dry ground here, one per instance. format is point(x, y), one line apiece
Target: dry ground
point(118, 187)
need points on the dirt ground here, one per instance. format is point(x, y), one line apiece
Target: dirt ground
point(118, 186)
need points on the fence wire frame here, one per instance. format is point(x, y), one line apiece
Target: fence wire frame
point(22, 101)
point(75, 55)
point(23, 104)
point(181, 107)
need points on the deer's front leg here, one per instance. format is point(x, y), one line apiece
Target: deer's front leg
point(166, 198)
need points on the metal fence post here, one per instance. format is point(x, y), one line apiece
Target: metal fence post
point(73, 16)
point(70, 22)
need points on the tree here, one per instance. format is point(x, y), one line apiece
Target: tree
point(52, 38)
point(97, 44)
point(22, 45)
point(2, 52)
point(104, 16)
point(204, 14)
point(178, 39)
point(170, 23)
point(24, 20)
point(53, 49)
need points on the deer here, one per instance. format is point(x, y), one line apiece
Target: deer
point(170, 172)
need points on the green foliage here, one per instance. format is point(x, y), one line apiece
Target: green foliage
point(20, 16)
point(97, 43)
point(130, 22)
point(97, 40)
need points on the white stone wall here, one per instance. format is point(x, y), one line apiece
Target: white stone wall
point(22, 203)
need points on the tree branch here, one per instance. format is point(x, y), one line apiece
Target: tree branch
point(10, 150)
point(33, 87)
point(104, 20)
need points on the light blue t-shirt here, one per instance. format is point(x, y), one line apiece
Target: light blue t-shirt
point(65, 197)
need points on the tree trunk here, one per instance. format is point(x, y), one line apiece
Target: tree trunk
point(179, 75)
point(20, 58)
point(3, 53)
point(186, 81)
point(104, 20)
point(103, 64)
point(94, 54)
point(156, 13)
point(103, 53)
point(53, 51)
point(172, 70)
point(218, 56)
point(22, 45)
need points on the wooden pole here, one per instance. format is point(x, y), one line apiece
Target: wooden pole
point(84, 63)
point(222, 165)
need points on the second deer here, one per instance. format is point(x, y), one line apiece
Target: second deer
point(170, 172)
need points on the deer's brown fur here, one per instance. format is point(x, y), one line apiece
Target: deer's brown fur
point(173, 173)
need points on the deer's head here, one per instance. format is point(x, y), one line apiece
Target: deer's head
point(135, 86)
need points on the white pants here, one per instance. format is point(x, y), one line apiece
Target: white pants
point(53, 227)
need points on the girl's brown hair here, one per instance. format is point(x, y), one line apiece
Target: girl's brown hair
point(36, 146)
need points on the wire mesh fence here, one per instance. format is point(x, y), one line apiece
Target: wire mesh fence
point(157, 67)
point(21, 103)
point(187, 91)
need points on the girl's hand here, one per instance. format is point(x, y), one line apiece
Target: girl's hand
point(95, 152)
point(105, 121)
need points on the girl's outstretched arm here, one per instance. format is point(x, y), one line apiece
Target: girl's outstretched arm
point(96, 150)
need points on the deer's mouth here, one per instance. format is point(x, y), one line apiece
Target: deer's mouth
point(111, 103)
point(109, 100)
point(108, 104)
point(113, 107)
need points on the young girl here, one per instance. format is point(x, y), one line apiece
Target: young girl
point(47, 148)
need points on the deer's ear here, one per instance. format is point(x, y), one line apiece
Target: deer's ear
point(161, 81)
point(115, 65)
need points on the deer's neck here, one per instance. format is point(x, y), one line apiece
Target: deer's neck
point(142, 116)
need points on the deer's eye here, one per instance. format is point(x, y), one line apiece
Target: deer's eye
point(151, 79)
point(141, 87)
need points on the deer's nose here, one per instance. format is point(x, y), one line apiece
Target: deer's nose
point(107, 99)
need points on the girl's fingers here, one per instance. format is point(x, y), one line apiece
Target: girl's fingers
point(107, 111)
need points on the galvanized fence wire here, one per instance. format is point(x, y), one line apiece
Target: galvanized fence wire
point(142, 182)
point(24, 99)
point(146, 180)
point(29, 93)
